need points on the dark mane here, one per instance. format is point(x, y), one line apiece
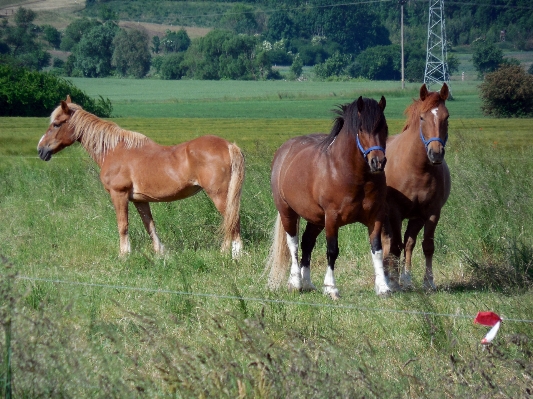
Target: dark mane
point(371, 119)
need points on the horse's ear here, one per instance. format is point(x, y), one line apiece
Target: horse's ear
point(360, 104)
point(65, 108)
point(68, 101)
point(382, 103)
point(423, 92)
point(444, 92)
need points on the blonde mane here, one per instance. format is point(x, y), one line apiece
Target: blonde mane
point(98, 136)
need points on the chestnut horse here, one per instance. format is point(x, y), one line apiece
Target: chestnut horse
point(330, 181)
point(418, 184)
point(134, 168)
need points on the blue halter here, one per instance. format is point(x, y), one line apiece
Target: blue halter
point(426, 142)
point(365, 153)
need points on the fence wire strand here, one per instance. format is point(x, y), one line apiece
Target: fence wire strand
point(261, 300)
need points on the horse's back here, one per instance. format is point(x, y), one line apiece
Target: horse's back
point(167, 173)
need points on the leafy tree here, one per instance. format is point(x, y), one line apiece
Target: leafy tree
point(21, 41)
point(507, 92)
point(75, 31)
point(52, 35)
point(30, 93)
point(171, 66)
point(415, 62)
point(280, 26)
point(530, 70)
point(175, 41)
point(226, 55)
point(334, 66)
point(131, 55)
point(107, 14)
point(486, 56)
point(380, 63)
point(95, 50)
point(240, 19)
point(296, 67)
point(353, 26)
point(156, 45)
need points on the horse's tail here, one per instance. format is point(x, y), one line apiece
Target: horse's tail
point(231, 226)
point(279, 257)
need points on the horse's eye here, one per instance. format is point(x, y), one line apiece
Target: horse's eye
point(56, 124)
point(422, 118)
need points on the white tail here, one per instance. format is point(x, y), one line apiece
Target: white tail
point(279, 257)
point(231, 226)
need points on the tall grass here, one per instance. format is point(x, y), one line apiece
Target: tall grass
point(142, 336)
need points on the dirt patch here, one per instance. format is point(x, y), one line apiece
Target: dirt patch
point(66, 8)
point(47, 5)
point(159, 30)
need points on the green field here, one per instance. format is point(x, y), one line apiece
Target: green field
point(263, 99)
point(194, 323)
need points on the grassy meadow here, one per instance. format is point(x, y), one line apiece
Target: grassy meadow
point(195, 323)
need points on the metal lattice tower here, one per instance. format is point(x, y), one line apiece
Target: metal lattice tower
point(436, 60)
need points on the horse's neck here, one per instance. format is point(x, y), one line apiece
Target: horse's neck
point(413, 146)
point(344, 149)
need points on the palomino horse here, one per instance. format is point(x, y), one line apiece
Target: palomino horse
point(418, 183)
point(134, 168)
point(330, 181)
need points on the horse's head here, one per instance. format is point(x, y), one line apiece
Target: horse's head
point(372, 132)
point(60, 133)
point(434, 122)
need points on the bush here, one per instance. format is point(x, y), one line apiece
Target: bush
point(507, 92)
point(171, 66)
point(334, 66)
point(486, 56)
point(31, 93)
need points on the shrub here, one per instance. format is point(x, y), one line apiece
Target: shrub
point(31, 93)
point(171, 66)
point(507, 92)
point(486, 56)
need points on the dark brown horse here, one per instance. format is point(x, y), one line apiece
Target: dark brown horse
point(134, 168)
point(418, 184)
point(330, 181)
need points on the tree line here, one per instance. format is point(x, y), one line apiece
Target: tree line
point(339, 42)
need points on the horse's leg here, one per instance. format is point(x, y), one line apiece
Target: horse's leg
point(146, 215)
point(332, 252)
point(428, 246)
point(374, 233)
point(120, 202)
point(290, 220)
point(308, 243)
point(392, 249)
point(220, 201)
point(413, 228)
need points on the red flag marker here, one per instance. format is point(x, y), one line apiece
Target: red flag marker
point(490, 319)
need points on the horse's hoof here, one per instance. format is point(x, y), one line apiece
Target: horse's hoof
point(308, 286)
point(394, 286)
point(383, 291)
point(406, 283)
point(429, 286)
point(332, 291)
point(294, 283)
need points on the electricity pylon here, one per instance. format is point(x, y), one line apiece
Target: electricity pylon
point(436, 59)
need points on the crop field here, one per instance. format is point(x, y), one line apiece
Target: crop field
point(84, 322)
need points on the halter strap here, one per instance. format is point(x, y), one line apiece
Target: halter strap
point(365, 153)
point(426, 142)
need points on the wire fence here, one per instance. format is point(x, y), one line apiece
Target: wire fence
point(345, 306)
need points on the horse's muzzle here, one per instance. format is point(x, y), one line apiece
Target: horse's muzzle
point(436, 158)
point(377, 165)
point(45, 153)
